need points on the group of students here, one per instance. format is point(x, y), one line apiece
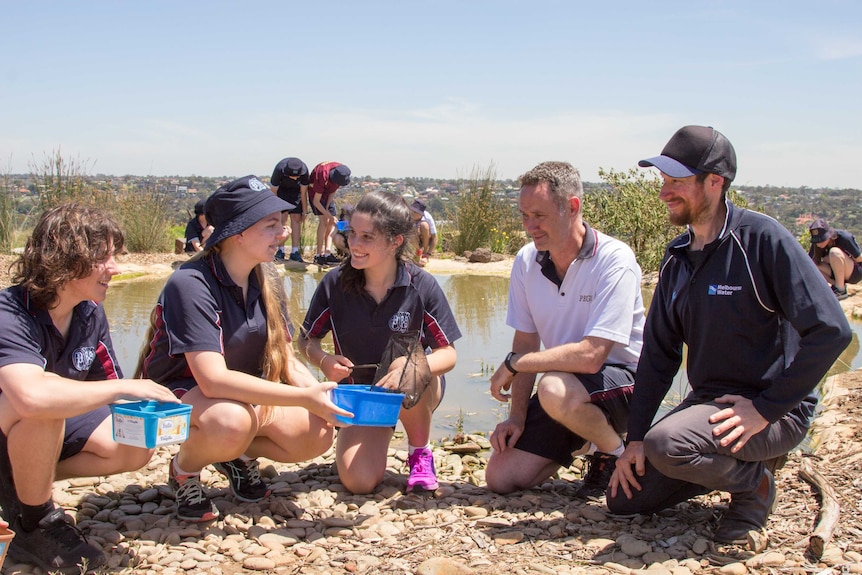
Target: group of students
point(220, 340)
point(309, 193)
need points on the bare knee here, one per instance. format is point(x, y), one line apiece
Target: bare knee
point(497, 480)
point(360, 483)
point(230, 425)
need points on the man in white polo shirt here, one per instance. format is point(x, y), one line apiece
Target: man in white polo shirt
point(575, 304)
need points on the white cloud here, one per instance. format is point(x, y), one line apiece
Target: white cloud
point(833, 48)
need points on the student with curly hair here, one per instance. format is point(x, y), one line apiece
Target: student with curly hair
point(58, 373)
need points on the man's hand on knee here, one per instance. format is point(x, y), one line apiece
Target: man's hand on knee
point(623, 476)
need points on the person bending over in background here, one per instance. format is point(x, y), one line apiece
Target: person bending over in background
point(375, 294)
point(761, 328)
point(290, 183)
point(220, 340)
point(325, 180)
point(58, 373)
point(837, 256)
point(575, 303)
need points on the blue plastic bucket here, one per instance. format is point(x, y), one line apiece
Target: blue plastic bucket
point(370, 408)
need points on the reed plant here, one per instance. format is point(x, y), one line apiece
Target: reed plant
point(145, 216)
point(7, 213)
point(482, 217)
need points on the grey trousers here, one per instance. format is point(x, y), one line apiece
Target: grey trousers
point(684, 459)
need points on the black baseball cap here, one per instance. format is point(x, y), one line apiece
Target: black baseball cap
point(694, 150)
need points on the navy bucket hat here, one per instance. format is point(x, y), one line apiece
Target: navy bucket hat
point(238, 205)
point(694, 150)
point(340, 175)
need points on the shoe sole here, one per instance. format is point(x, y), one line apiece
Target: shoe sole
point(23, 556)
point(433, 487)
point(208, 517)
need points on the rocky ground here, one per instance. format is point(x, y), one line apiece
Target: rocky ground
point(310, 524)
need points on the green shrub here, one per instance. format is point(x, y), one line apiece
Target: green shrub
point(145, 218)
point(7, 215)
point(630, 210)
point(482, 217)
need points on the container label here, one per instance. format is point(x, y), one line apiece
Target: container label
point(172, 429)
point(130, 430)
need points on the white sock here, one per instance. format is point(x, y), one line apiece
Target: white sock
point(619, 450)
point(591, 449)
point(178, 471)
point(294, 250)
point(411, 448)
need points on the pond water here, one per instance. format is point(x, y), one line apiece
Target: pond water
point(479, 305)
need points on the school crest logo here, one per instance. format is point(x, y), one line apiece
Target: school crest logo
point(400, 321)
point(257, 185)
point(83, 357)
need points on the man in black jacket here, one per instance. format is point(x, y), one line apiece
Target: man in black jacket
point(762, 328)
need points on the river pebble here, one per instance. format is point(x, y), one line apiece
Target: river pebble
point(311, 524)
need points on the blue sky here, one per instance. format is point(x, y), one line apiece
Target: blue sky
point(433, 89)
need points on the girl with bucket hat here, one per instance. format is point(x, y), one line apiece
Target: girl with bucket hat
point(374, 297)
point(220, 339)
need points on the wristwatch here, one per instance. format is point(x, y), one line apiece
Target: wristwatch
point(508, 363)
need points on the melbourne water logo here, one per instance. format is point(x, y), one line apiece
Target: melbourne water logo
point(721, 289)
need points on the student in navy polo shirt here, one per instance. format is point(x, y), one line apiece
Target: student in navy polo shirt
point(375, 293)
point(58, 372)
point(220, 340)
point(290, 182)
point(196, 230)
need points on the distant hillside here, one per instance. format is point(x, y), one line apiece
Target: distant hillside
point(796, 207)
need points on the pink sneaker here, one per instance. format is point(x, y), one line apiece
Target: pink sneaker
point(422, 473)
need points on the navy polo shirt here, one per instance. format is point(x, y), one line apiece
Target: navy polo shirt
point(194, 229)
point(361, 327)
point(201, 309)
point(29, 336)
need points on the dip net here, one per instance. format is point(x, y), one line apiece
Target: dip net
point(415, 374)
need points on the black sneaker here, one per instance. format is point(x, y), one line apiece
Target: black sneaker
point(332, 259)
point(192, 503)
point(295, 257)
point(600, 467)
point(279, 256)
point(244, 478)
point(747, 511)
point(840, 293)
point(321, 261)
point(55, 546)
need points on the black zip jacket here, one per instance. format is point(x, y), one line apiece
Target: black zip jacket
point(758, 318)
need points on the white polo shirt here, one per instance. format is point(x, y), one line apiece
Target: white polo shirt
point(600, 296)
point(432, 228)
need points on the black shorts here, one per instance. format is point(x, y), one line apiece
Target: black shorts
point(294, 197)
point(856, 274)
point(610, 390)
point(80, 428)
